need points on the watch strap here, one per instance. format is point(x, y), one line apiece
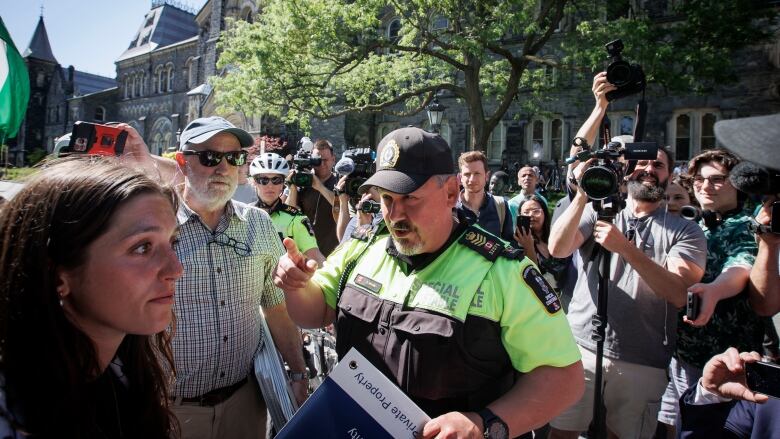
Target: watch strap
point(489, 418)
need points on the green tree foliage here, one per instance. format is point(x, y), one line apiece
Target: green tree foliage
point(325, 58)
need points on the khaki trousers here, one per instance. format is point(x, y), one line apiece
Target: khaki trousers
point(243, 415)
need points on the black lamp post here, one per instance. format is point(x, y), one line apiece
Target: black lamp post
point(435, 114)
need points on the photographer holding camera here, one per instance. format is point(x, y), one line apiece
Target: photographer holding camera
point(725, 317)
point(655, 258)
point(316, 200)
point(755, 140)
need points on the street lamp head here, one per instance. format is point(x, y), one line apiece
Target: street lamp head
point(435, 114)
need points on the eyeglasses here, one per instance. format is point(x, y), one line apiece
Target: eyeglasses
point(532, 212)
point(214, 158)
point(715, 180)
point(265, 180)
point(241, 248)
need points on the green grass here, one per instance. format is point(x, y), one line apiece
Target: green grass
point(17, 173)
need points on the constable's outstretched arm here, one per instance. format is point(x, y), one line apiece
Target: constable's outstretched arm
point(536, 397)
point(305, 301)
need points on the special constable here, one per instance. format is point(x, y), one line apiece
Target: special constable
point(449, 312)
point(269, 171)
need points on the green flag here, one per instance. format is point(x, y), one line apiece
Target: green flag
point(14, 86)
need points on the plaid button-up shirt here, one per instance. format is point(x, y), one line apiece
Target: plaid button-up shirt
point(228, 276)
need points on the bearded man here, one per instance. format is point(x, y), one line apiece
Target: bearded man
point(655, 258)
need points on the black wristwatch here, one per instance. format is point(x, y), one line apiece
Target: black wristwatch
point(495, 427)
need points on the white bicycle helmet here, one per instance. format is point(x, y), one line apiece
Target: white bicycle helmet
point(269, 163)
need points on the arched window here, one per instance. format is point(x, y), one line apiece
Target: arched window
point(394, 31)
point(682, 142)
point(167, 142)
point(157, 143)
point(127, 87)
point(556, 147)
point(537, 139)
point(100, 114)
point(156, 80)
point(161, 135)
point(191, 73)
point(135, 86)
point(159, 79)
point(708, 131)
point(169, 77)
point(141, 83)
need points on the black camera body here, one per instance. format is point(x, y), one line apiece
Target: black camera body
point(370, 206)
point(603, 180)
point(628, 78)
point(365, 166)
point(303, 163)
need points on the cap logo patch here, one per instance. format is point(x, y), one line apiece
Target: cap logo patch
point(389, 155)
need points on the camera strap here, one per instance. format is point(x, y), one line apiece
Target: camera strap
point(640, 116)
point(606, 130)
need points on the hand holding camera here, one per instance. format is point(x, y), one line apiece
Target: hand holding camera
point(725, 375)
point(627, 78)
point(702, 299)
point(600, 89)
point(525, 237)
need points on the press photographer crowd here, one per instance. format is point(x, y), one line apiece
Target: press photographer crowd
point(637, 302)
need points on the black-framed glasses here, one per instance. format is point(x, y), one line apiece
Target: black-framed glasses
point(241, 248)
point(265, 180)
point(213, 158)
point(716, 180)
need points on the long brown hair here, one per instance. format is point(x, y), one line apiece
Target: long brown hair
point(47, 362)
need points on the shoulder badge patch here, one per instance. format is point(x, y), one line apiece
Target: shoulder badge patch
point(542, 289)
point(305, 221)
point(482, 243)
point(513, 253)
point(291, 210)
point(362, 232)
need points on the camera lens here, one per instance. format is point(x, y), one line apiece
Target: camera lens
point(619, 73)
point(690, 213)
point(352, 185)
point(599, 182)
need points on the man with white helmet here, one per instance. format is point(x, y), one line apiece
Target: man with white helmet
point(268, 172)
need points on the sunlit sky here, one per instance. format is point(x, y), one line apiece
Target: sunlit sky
point(88, 34)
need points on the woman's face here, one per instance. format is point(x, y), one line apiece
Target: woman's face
point(676, 198)
point(533, 209)
point(127, 282)
point(266, 189)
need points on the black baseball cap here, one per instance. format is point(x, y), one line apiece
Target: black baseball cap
point(754, 139)
point(406, 158)
point(200, 130)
